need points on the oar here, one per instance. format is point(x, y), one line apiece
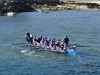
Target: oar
point(18, 43)
point(78, 45)
point(83, 46)
point(73, 44)
point(78, 55)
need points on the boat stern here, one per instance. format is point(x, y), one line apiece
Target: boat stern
point(70, 52)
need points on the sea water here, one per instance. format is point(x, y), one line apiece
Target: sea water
point(81, 27)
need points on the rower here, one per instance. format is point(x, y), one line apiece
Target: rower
point(47, 42)
point(53, 44)
point(29, 37)
point(34, 40)
point(58, 44)
point(39, 41)
point(42, 43)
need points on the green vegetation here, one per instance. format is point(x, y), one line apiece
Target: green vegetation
point(67, 7)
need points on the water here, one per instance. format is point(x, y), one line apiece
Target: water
point(81, 27)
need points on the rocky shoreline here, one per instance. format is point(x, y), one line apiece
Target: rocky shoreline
point(31, 6)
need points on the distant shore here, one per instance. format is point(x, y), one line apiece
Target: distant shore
point(29, 6)
point(70, 6)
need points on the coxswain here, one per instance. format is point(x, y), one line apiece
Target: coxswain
point(66, 41)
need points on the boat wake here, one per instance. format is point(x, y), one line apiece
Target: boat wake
point(28, 52)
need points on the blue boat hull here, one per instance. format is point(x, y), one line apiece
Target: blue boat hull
point(69, 52)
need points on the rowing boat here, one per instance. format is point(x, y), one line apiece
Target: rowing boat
point(68, 51)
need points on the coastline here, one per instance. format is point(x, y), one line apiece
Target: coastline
point(71, 5)
point(68, 7)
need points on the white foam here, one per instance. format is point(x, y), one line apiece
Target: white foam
point(23, 51)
